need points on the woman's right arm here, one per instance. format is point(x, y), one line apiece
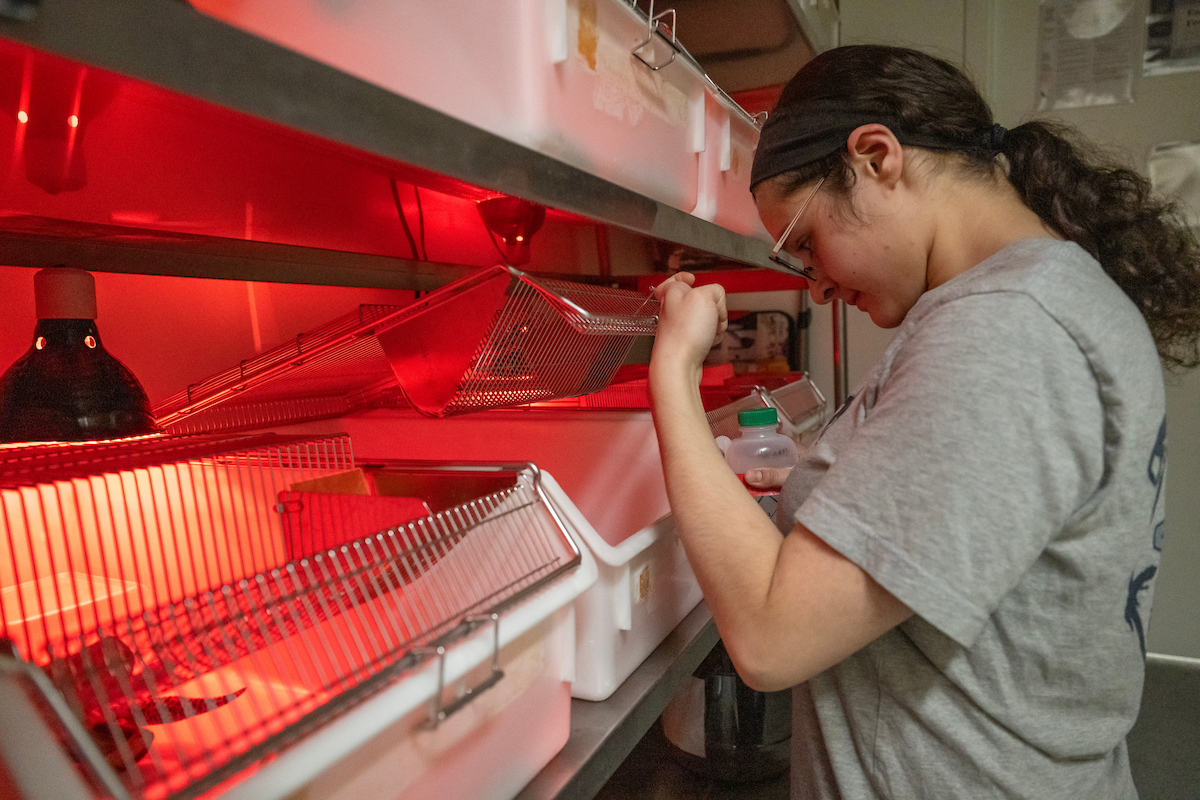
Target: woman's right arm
point(786, 607)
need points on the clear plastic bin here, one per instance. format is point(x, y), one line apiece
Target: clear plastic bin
point(360, 658)
point(557, 76)
point(724, 190)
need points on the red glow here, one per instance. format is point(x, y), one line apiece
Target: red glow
point(151, 157)
point(83, 553)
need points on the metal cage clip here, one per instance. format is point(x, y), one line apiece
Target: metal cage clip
point(648, 51)
point(439, 713)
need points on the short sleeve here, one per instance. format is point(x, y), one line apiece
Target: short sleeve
point(980, 438)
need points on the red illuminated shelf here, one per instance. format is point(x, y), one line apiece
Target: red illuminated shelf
point(172, 46)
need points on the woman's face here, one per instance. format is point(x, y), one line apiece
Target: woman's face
point(866, 253)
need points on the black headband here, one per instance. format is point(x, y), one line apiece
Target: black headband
point(791, 139)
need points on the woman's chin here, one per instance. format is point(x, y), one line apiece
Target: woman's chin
point(881, 317)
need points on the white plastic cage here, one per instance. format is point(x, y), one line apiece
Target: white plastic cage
point(182, 609)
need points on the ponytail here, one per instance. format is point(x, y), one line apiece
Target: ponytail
point(1143, 243)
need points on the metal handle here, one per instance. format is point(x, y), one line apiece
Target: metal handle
point(72, 726)
point(651, 30)
point(439, 713)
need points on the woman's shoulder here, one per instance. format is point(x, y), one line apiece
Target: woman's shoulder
point(1034, 267)
point(1059, 277)
point(1024, 298)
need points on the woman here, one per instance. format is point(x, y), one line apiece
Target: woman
point(963, 569)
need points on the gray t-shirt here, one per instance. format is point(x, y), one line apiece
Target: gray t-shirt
point(998, 471)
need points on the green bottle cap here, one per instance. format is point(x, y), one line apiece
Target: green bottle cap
point(756, 417)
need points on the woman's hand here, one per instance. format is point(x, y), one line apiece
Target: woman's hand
point(691, 321)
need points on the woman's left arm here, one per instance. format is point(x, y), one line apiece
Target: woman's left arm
point(786, 607)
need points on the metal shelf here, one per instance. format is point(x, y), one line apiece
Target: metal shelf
point(44, 242)
point(171, 45)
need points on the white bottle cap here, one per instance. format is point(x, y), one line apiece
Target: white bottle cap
point(64, 293)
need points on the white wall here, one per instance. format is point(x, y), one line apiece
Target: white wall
point(996, 41)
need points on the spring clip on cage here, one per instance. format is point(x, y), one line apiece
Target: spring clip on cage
point(180, 629)
point(645, 51)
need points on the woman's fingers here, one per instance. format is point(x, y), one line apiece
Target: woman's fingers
point(686, 278)
point(691, 319)
point(722, 315)
point(767, 477)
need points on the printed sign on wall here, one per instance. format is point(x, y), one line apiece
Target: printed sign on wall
point(1172, 37)
point(1089, 52)
point(1175, 174)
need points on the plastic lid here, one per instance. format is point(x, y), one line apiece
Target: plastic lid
point(64, 293)
point(756, 417)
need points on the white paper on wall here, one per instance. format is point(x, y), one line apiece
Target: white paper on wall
point(1172, 37)
point(1089, 51)
point(1175, 174)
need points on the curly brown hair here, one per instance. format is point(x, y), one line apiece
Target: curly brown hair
point(1142, 242)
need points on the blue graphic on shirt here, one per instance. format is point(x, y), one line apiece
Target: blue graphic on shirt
point(1133, 615)
point(1157, 470)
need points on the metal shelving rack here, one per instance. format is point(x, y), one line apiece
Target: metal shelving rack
point(171, 45)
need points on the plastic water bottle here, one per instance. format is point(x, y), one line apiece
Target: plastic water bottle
point(760, 445)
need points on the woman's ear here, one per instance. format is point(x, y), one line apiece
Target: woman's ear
point(875, 154)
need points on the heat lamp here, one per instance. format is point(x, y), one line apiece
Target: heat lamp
point(515, 221)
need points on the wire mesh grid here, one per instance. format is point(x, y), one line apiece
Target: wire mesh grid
point(545, 344)
point(497, 338)
point(801, 405)
point(329, 371)
point(169, 677)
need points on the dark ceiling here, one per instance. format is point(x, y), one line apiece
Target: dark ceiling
point(741, 44)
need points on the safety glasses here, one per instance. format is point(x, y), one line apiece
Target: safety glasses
point(786, 260)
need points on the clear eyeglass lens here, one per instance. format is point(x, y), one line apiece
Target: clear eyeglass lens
point(792, 263)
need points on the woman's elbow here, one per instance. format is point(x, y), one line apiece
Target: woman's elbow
point(763, 667)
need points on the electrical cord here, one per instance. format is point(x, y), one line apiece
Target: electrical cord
point(412, 243)
point(492, 236)
point(420, 222)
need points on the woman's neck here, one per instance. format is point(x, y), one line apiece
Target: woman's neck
point(974, 221)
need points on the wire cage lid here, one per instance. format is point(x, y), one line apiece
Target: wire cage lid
point(496, 338)
point(800, 405)
point(502, 338)
point(170, 664)
point(45, 462)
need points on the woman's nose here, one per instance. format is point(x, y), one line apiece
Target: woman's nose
point(822, 290)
